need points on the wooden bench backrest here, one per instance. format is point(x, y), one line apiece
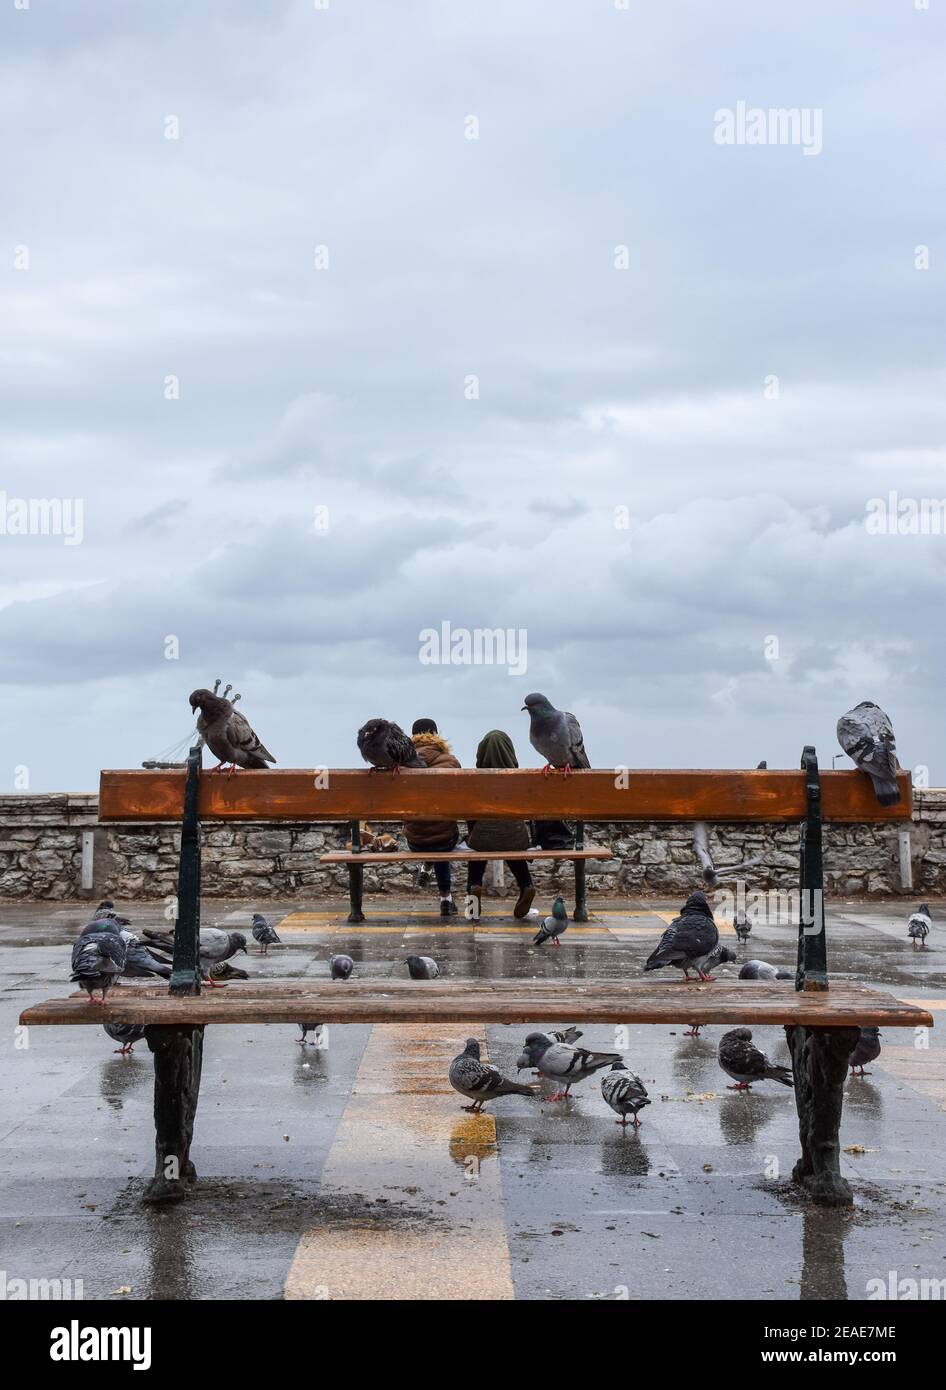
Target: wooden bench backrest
point(639, 795)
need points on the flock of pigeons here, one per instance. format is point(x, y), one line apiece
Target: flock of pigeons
point(864, 732)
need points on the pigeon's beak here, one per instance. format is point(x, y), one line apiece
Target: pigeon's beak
point(524, 707)
point(244, 950)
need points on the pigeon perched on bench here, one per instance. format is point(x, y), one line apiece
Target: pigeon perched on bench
point(866, 735)
point(553, 927)
point(689, 941)
point(555, 734)
point(422, 967)
point(139, 961)
point(227, 733)
point(386, 745)
point(125, 1033)
point(562, 1063)
point(761, 970)
point(866, 1049)
point(263, 933)
point(98, 958)
point(223, 971)
point(624, 1092)
point(340, 967)
point(214, 946)
point(742, 1060)
point(480, 1081)
point(918, 926)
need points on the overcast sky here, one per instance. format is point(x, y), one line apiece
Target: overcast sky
point(325, 487)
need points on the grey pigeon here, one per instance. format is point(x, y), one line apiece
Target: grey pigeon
point(422, 967)
point(761, 767)
point(918, 926)
point(263, 933)
point(742, 927)
point(742, 1060)
point(624, 1092)
point(866, 1049)
point(214, 946)
point(98, 958)
point(866, 735)
point(340, 967)
point(570, 1034)
point(139, 962)
point(223, 970)
point(689, 941)
point(386, 745)
point(553, 927)
point(561, 1062)
point(555, 734)
point(479, 1081)
point(227, 734)
point(761, 970)
point(307, 1028)
point(125, 1033)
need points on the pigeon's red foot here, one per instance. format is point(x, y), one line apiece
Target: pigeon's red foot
point(567, 769)
point(556, 942)
point(546, 771)
point(707, 979)
point(693, 1032)
point(214, 984)
point(739, 1086)
point(558, 1095)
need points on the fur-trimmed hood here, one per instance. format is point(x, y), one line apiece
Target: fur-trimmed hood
point(433, 741)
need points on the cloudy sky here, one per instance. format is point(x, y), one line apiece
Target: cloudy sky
point(416, 385)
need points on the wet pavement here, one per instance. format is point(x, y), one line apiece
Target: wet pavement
point(349, 1170)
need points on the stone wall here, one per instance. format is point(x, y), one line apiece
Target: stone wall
point(41, 856)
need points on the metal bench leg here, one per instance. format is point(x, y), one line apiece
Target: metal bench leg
point(356, 877)
point(820, 1061)
point(581, 893)
point(185, 968)
point(178, 1053)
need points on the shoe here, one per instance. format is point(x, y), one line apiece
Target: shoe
point(447, 907)
point(423, 876)
point(526, 899)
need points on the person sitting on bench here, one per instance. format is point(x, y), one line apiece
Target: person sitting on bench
point(425, 836)
point(496, 750)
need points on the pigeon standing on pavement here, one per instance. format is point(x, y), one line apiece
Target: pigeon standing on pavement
point(125, 1033)
point(624, 1092)
point(742, 927)
point(263, 933)
point(480, 1081)
point(562, 1063)
point(918, 926)
point(689, 941)
point(98, 958)
point(555, 734)
point(866, 735)
point(553, 927)
point(866, 1049)
point(742, 1060)
point(340, 967)
point(422, 967)
point(227, 734)
point(386, 745)
point(761, 970)
point(570, 1034)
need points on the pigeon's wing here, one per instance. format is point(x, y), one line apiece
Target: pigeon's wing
point(687, 938)
point(214, 943)
point(745, 1058)
point(576, 743)
point(242, 737)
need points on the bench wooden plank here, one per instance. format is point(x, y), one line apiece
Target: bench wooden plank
point(492, 1001)
point(521, 793)
point(399, 856)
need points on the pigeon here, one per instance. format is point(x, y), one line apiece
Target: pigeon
point(866, 735)
point(215, 945)
point(227, 734)
point(263, 933)
point(561, 1062)
point(555, 734)
point(307, 1028)
point(125, 1033)
point(223, 970)
point(866, 1049)
point(341, 967)
point(761, 970)
point(98, 958)
point(422, 967)
point(918, 926)
point(386, 745)
point(139, 962)
point(479, 1081)
point(624, 1092)
point(762, 767)
point(742, 927)
point(560, 1035)
point(742, 1060)
point(553, 927)
point(689, 941)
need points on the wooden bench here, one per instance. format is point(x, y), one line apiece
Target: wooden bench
point(821, 1023)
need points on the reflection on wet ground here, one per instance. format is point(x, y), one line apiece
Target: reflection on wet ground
point(349, 1170)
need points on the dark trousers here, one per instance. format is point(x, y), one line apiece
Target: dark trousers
point(441, 867)
point(517, 867)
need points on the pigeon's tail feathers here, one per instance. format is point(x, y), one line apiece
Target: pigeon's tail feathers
point(774, 1072)
point(888, 793)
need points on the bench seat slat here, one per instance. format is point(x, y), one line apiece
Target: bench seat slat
point(492, 1001)
point(398, 856)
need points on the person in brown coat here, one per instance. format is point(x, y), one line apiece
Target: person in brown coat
point(434, 835)
point(496, 750)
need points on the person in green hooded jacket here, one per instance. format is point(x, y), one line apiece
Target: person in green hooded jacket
point(496, 750)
